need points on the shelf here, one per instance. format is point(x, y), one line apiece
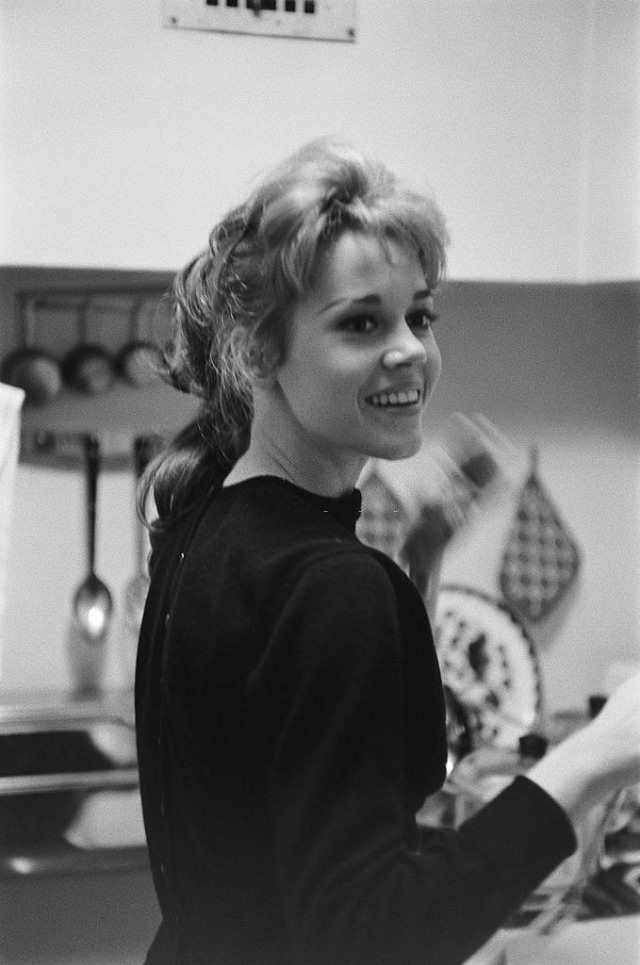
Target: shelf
point(52, 436)
point(59, 309)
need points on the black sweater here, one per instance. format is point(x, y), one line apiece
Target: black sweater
point(290, 724)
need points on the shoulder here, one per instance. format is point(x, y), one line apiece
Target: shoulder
point(341, 573)
point(333, 616)
point(292, 553)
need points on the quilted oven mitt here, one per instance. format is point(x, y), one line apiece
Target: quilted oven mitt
point(541, 559)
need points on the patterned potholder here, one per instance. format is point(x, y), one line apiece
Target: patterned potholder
point(383, 521)
point(541, 559)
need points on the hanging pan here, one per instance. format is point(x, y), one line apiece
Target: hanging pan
point(31, 367)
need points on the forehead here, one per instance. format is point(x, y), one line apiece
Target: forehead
point(356, 259)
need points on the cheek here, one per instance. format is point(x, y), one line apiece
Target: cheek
point(435, 359)
point(434, 367)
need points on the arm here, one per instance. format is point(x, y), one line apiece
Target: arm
point(471, 461)
point(423, 552)
point(353, 888)
point(598, 760)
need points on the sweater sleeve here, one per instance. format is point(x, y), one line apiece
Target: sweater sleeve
point(331, 690)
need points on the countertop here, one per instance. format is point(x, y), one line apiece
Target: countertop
point(605, 941)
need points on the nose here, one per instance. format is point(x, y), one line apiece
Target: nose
point(407, 349)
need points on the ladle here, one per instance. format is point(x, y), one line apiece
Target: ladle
point(92, 603)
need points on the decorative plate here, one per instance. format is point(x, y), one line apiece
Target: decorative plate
point(490, 664)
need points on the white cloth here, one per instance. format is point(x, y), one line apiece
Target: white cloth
point(11, 400)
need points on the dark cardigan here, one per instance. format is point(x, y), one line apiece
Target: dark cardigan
point(290, 723)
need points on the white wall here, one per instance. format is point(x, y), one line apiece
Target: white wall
point(592, 480)
point(123, 140)
point(556, 367)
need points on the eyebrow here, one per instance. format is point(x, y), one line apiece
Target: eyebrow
point(373, 299)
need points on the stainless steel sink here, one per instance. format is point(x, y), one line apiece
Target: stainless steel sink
point(68, 785)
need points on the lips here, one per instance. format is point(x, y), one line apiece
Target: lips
point(395, 398)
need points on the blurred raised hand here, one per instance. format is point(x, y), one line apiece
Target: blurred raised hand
point(471, 457)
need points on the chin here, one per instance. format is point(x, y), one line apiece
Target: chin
point(399, 449)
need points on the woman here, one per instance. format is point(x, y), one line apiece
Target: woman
point(289, 705)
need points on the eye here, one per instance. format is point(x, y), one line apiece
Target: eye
point(360, 324)
point(422, 320)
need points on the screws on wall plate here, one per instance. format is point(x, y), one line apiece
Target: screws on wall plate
point(310, 19)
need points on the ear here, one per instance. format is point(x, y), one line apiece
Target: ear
point(263, 367)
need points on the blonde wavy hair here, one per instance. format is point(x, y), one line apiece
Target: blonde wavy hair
point(233, 303)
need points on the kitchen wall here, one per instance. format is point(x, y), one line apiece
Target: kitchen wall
point(555, 365)
point(122, 141)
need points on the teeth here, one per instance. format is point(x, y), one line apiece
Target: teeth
point(395, 398)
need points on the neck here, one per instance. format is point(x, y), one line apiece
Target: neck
point(320, 480)
point(272, 452)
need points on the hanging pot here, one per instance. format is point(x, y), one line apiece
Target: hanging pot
point(88, 368)
point(139, 362)
point(29, 367)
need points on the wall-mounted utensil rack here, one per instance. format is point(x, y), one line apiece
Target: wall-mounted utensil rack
point(117, 302)
point(119, 317)
point(67, 325)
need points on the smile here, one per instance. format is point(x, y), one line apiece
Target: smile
point(395, 400)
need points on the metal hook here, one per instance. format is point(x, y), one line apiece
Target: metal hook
point(27, 320)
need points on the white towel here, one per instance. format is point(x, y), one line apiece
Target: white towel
point(11, 400)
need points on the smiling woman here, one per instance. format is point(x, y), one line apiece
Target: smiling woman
point(260, 268)
point(290, 712)
point(360, 366)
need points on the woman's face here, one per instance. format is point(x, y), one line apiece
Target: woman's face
point(361, 360)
